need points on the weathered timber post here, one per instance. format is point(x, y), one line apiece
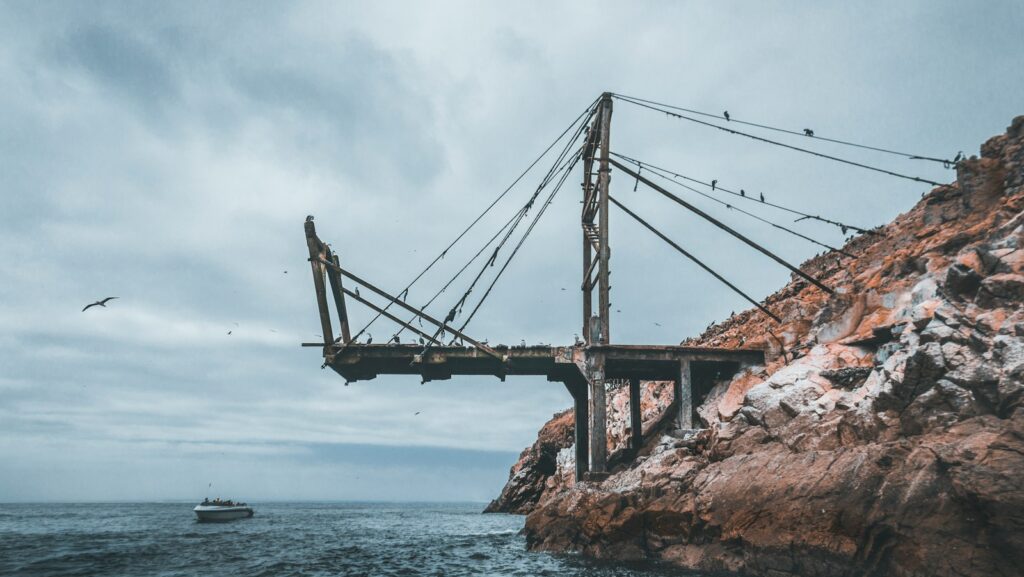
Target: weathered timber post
point(316, 253)
point(581, 426)
point(587, 221)
point(636, 439)
point(684, 396)
point(598, 416)
point(338, 288)
point(603, 180)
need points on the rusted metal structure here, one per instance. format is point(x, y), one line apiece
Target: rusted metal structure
point(585, 368)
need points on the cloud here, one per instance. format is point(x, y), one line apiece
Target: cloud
point(168, 155)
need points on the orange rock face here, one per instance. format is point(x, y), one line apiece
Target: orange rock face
point(884, 436)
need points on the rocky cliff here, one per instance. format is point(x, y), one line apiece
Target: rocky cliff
point(884, 436)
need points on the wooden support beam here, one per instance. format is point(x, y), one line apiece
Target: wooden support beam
point(482, 347)
point(587, 221)
point(337, 288)
point(603, 181)
point(581, 424)
point(316, 255)
point(684, 395)
point(636, 425)
point(598, 413)
point(392, 317)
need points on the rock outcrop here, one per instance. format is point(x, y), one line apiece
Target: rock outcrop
point(884, 436)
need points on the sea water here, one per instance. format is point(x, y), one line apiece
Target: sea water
point(283, 539)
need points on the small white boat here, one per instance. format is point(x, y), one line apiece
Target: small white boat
point(209, 511)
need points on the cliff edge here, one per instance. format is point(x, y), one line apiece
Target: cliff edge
point(884, 436)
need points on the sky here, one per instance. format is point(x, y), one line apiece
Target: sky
point(168, 154)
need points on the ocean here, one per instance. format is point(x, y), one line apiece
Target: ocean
point(283, 539)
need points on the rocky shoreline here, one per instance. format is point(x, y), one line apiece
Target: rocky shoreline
point(884, 436)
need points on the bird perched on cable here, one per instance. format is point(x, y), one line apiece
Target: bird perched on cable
point(743, 193)
point(395, 340)
point(959, 156)
point(451, 316)
point(422, 342)
point(369, 339)
point(357, 291)
point(100, 303)
point(808, 132)
point(762, 197)
point(714, 183)
point(726, 114)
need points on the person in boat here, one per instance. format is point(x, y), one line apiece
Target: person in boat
point(206, 500)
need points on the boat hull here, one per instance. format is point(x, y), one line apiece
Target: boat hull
point(215, 514)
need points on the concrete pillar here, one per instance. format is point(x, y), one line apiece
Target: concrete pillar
point(598, 409)
point(581, 424)
point(635, 421)
point(684, 396)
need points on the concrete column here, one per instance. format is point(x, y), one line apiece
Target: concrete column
point(684, 396)
point(635, 421)
point(598, 409)
point(581, 424)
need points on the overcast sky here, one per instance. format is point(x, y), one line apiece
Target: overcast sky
point(168, 153)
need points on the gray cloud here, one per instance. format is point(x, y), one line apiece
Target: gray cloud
point(167, 154)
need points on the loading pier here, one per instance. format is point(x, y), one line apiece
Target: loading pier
point(585, 368)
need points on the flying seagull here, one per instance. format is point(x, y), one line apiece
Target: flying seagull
point(102, 303)
point(726, 114)
point(416, 413)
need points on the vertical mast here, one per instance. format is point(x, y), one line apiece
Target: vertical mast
point(603, 180)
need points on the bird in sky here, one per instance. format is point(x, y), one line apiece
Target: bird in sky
point(100, 303)
point(285, 272)
point(762, 196)
point(229, 332)
point(808, 132)
point(726, 114)
point(657, 324)
point(416, 413)
point(714, 183)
